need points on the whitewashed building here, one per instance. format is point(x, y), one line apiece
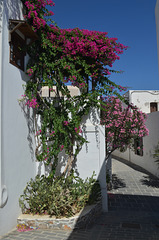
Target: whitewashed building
point(17, 131)
point(17, 161)
point(147, 101)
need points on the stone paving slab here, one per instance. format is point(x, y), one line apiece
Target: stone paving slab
point(133, 211)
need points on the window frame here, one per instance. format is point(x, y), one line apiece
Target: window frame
point(17, 52)
point(22, 31)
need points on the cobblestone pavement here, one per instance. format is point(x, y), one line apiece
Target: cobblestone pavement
point(133, 211)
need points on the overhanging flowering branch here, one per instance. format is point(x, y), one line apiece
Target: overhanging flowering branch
point(59, 57)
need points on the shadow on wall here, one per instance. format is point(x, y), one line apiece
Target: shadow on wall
point(29, 117)
point(13, 9)
point(1, 15)
point(90, 125)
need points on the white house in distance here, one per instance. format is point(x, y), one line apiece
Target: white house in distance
point(17, 133)
point(147, 101)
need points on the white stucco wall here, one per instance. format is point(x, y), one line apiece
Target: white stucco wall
point(16, 136)
point(92, 156)
point(143, 98)
point(149, 143)
point(157, 27)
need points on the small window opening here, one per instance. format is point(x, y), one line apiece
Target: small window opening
point(17, 53)
point(138, 146)
point(153, 107)
point(20, 35)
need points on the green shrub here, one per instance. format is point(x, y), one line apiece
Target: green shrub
point(60, 197)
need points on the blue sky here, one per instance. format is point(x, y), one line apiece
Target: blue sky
point(132, 22)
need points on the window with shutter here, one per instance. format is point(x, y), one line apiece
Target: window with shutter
point(20, 35)
point(17, 52)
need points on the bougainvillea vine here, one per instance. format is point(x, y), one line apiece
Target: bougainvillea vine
point(62, 57)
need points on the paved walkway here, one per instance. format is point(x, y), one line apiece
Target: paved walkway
point(133, 211)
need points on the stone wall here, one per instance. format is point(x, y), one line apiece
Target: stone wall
point(82, 220)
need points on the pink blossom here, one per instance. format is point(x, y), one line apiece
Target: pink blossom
point(52, 133)
point(30, 72)
point(78, 130)
point(38, 132)
point(82, 85)
point(32, 103)
point(66, 123)
point(122, 124)
point(62, 147)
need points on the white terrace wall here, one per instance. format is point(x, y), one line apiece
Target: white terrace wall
point(17, 163)
point(149, 143)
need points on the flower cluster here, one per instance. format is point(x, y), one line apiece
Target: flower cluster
point(38, 133)
point(52, 133)
point(78, 130)
point(75, 54)
point(66, 123)
point(87, 43)
point(122, 124)
point(98, 50)
point(61, 147)
point(30, 72)
point(32, 103)
point(36, 8)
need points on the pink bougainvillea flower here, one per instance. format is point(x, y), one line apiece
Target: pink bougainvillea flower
point(82, 85)
point(32, 103)
point(78, 130)
point(30, 72)
point(66, 123)
point(52, 133)
point(38, 133)
point(62, 147)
